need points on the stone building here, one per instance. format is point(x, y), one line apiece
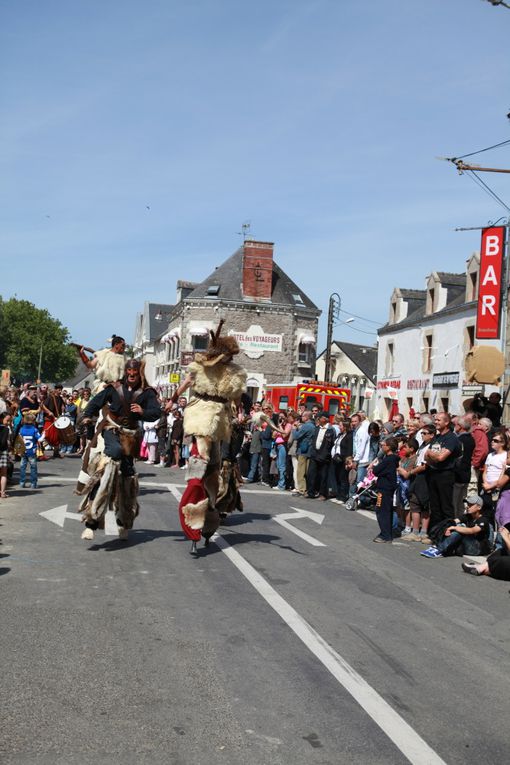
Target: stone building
point(422, 348)
point(147, 331)
point(272, 318)
point(353, 366)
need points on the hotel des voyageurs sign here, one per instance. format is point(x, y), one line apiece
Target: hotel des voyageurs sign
point(255, 342)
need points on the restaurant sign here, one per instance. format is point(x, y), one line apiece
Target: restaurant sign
point(255, 342)
point(445, 380)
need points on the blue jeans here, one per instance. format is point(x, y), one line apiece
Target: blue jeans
point(32, 461)
point(254, 464)
point(470, 546)
point(281, 464)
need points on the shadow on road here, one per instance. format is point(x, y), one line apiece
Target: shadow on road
point(236, 540)
point(136, 537)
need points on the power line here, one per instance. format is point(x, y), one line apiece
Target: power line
point(480, 151)
point(485, 187)
point(371, 321)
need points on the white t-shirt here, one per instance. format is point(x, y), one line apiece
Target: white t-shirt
point(495, 464)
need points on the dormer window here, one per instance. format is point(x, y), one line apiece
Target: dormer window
point(431, 300)
point(393, 318)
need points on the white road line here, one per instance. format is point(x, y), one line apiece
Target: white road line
point(390, 722)
point(410, 743)
point(283, 519)
point(367, 514)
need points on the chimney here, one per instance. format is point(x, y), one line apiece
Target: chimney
point(257, 270)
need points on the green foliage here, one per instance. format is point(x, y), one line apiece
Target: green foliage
point(23, 330)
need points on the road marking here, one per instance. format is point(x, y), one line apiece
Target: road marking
point(58, 515)
point(410, 743)
point(367, 514)
point(282, 519)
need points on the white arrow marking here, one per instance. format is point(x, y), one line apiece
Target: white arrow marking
point(317, 517)
point(59, 514)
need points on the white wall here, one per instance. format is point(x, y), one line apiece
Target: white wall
point(448, 353)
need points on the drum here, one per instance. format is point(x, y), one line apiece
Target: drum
point(51, 434)
point(66, 431)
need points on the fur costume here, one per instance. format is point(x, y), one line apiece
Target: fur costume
point(110, 368)
point(106, 490)
point(217, 384)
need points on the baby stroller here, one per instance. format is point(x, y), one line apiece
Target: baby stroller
point(365, 495)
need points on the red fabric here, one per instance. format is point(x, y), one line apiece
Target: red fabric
point(193, 493)
point(51, 434)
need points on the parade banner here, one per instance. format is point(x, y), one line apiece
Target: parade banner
point(488, 317)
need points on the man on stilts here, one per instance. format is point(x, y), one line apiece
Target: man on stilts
point(217, 386)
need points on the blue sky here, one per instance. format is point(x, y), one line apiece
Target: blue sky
point(317, 120)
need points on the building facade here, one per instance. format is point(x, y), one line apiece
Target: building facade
point(274, 321)
point(422, 348)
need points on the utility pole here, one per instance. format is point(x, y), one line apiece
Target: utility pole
point(463, 167)
point(335, 304)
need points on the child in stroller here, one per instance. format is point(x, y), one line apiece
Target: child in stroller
point(365, 495)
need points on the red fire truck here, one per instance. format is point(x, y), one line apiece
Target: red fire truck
point(329, 398)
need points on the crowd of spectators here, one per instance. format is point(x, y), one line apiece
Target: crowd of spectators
point(437, 480)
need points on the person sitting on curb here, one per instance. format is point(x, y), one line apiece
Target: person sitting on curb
point(469, 535)
point(497, 564)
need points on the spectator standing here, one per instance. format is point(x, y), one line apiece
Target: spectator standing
point(30, 436)
point(480, 451)
point(386, 473)
point(303, 437)
point(440, 458)
point(361, 450)
point(340, 454)
point(53, 407)
point(494, 469)
point(162, 433)
point(419, 492)
point(462, 429)
point(151, 440)
point(266, 442)
point(4, 455)
point(320, 457)
point(281, 451)
point(255, 451)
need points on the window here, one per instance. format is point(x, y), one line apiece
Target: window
point(470, 337)
point(473, 278)
point(444, 404)
point(389, 359)
point(284, 403)
point(298, 299)
point(432, 294)
point(409, 402)
point(393, 315)
point(425, 403)
point(213, 290)
point(333, 406)
point(305, 353)
point(311, 401)
point(427, 353)
point(199, 342)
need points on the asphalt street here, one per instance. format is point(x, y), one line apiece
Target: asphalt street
point(290, 640)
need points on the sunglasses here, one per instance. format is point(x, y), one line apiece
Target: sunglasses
point(497, 441)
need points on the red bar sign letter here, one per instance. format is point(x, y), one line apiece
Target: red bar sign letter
point(489, 292)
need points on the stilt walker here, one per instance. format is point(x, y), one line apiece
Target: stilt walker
point(217, 385)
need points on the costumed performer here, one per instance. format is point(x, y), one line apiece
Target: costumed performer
point(108, 479)
point(107, 364)
point(217, 385)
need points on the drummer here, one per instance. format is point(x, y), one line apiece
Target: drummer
point(53, 407)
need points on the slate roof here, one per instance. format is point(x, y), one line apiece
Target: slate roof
point(80, 374)
point(455, 299)
point(229, 277)
point(364, 356)
point(156, 328)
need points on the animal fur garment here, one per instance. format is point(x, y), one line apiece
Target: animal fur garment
point(211, 419)
point(110, 367)
point(108, 489)
point(194, 514)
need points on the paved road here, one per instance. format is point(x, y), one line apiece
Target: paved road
point(267, 649)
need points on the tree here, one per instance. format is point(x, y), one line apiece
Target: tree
point(24, 330)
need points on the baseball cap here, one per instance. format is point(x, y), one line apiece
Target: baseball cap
point(474, 499)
